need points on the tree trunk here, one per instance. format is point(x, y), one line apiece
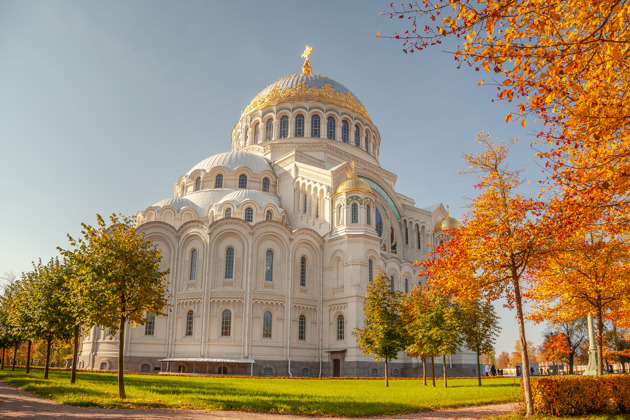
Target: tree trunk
point(2, 362)
point(48, 344)
point(121, 363)
point(433, 370)
point(14, 356)
point(600, 339)
point(527, 388)
point(478, 367)
point(28, 357)
point(75, 352)
point(424, 370)
point(444, 370)
point(571, 361)
point(386, 373)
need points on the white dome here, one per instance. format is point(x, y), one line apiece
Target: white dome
point(233, 160)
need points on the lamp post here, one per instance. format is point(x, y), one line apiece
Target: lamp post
point(591, 369)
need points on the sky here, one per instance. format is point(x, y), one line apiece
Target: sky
point(103, 105)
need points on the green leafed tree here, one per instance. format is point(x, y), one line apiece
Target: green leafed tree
point(120, 276)
point(384, 333)
point(479, 326)
point(43, 304)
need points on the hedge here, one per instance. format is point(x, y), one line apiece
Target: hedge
point(579, 395)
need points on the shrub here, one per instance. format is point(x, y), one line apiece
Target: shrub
point(579, 395)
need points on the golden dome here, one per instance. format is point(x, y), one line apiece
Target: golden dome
point(448, 223)
point(353, 183)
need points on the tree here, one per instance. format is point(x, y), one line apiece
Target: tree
point(503, 360)
point(555, 348)
point(432, 326)
point(490, 255)
point(384, 334)
point(575, 332)
point(43, 306)
point(563, 62)
point(479, 326)
point(122, 272)
point(592, 269)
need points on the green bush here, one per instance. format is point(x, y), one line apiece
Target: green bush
point(579, 395)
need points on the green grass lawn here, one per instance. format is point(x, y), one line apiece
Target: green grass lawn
point(338, 397)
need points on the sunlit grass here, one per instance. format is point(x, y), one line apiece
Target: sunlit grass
point(339, 397)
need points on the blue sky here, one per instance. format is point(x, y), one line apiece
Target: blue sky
point(103, 105)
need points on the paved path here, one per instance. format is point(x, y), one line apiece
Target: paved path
point(17, 404)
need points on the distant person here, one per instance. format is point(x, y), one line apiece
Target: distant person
point(531, 370)
point(493, 371)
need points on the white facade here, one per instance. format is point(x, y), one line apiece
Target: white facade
point(271, 246)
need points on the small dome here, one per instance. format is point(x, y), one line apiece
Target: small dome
point(354, 183)
point(448, 223)
point(311, 87)
point(233, 160)
point(260, 198)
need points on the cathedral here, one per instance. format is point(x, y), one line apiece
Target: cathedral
point(271, 246)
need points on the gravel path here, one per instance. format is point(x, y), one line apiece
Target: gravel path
point(17, 404)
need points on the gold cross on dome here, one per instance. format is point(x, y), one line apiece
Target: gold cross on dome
point(306, 68)
point(307, 52)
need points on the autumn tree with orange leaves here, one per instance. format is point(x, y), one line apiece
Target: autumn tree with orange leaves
point(588, 272)
point(555, 349)
point(489, 256)
point(566, 63)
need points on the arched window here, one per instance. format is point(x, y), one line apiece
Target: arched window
point(315, 126)
point(226, 323)
point(391, 283)
point(149, 326)
point(269, 129)
point(344, 132)
point(229, 263)
point(267, 324)
point(303, 271)
point(379, 222)
point(145, 368)
point(406, 286)
point(357, 136)
point(269, 265)
point(370, 270)
point(406, 235)
point(330, 128)
point(341, 333)
point(367, 142)
point(189, 323)
point(249, 215)
point(193, 265)
point(269, 215)
point(355, 213)
point(218, 181)
point(198, 184)
point(228, 212)
point(242, 181)
point(392, 239)
point(265, 185)
point(299, 125)
point(257, 133)
point(284, 127)
point(305, 203)
point(368, 216)
point(302, 328)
